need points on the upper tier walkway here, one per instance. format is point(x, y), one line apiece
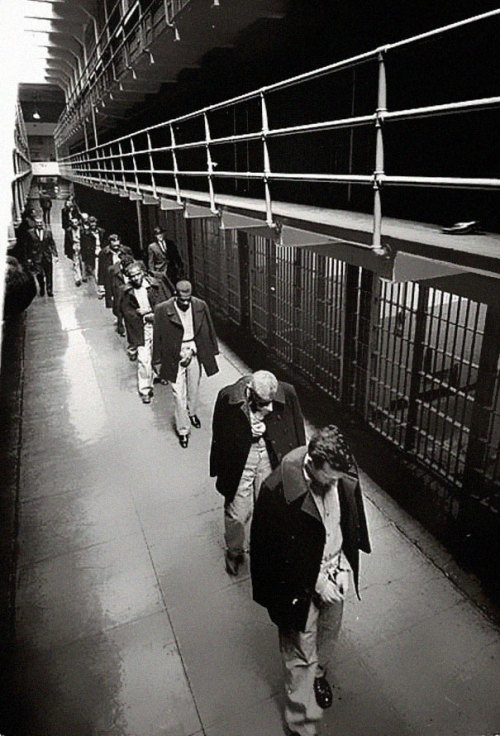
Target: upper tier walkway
point(127, 622)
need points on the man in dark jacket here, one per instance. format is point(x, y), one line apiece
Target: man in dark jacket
point(40, 249)
point(164, 258)
point(307, 529)
point(109, 256)
point(256, 421)
point(184, 341)
point(138, 300)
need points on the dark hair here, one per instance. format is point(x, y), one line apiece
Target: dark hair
point(126, 260)
point(328, 445)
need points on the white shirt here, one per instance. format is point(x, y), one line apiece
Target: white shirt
point(141, 294)
point(186, 319)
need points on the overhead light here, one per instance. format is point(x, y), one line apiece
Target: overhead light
point(36, 114)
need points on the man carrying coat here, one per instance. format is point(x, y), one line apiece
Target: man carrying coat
point(184, 342)
point(308, 527)
point(256, 421)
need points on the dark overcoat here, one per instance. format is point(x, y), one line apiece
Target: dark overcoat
point(287, 539)
point(128, 307)
point(232, 433)
point(43, 249)
point(89, 245)
point(166, 261)
point(168, 334)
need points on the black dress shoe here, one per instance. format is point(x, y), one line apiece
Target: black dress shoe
point(195, 421)
point(184, 440)
point(323, 692)
point(146, 398)
point(49, 293)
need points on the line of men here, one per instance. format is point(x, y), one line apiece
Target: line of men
point(169, 332)
point(305, 511)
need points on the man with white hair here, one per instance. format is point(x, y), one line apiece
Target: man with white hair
point(256, 421)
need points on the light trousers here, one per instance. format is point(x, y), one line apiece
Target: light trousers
point(99, 287)
point(144, 364)
point(185, 391)
point(238, 513)
point(77, 265)
point(305, 656)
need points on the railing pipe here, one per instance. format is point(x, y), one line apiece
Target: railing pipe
point(210, 165)
point(267, 161)
point(379, 152)
point(176, 168)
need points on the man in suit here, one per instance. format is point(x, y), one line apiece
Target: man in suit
point(184, 342)
point(108, 256)
point(40, 249)
point(164, 259)
point(97, 241)
point(256, 421)
point(307, 529)
point(138, 299)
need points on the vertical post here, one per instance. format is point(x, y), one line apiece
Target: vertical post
point(176, 168)
point(190, 250)
point(139, 225)
point(151, 166)
point(379, 151)
point(417, 365)
point(122, 166)
point(210, 166)
point(320, 280)
point(94, 124)
point(350, 308)
point(244, 263)
point(134, 165)
point(267, 162)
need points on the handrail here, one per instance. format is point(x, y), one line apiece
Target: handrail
point(100, 159)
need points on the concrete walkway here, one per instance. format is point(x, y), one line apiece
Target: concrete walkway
point(128, 624)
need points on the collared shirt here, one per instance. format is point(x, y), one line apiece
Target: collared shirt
point(162, 244)
point(141, 294)
point(76, 238)
point(186, 319)
point(39, 231)
point(97, 237)
point(115, 257)
point(328, 506)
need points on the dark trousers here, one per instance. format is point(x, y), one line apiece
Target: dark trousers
point(44, 275)
point(46, 216)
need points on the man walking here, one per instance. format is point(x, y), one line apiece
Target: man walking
point(163, 258)
point(138, 300)
point(74, 246)
point(40, 249)
point(184, 341)
point(256, 421)
point(307, 529)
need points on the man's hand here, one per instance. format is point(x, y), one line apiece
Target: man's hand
point(149, 318)
point(342, 582)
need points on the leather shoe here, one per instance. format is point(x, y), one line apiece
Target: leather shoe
point(184, 440)
point(233, 563)
point(146, 398)
point(323, 692)
point(50, 293)
point(195, 421)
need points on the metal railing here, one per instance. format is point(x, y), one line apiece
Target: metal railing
point(116, 163)
point(111, 56)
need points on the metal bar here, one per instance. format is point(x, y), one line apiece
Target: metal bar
point(440, 181)
point(134, 162)
point(267, 162)
point(176, 168)
point(151, 165)
point(379, 153)
point(413, 113)
point(210, 166)
point(442, 29)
